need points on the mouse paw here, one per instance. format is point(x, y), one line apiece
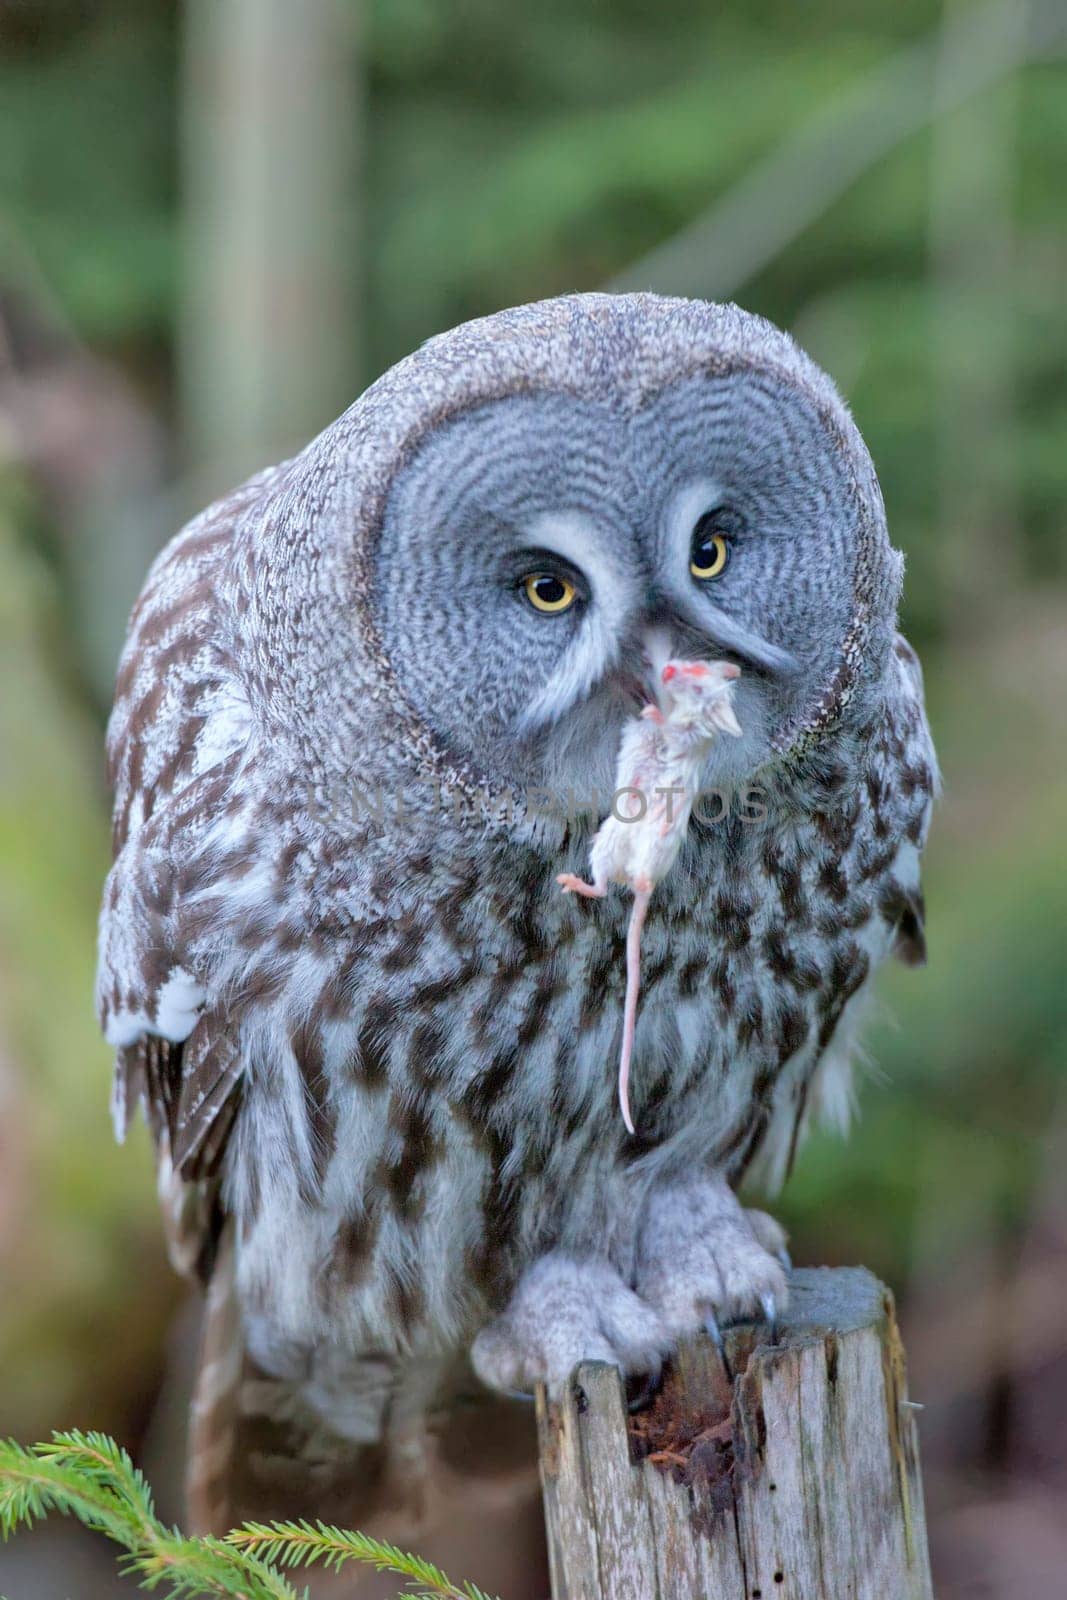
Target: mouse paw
point(704, 1260)
point(570, 883)
point(565, 1311)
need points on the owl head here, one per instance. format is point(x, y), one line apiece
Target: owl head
point(493, 552)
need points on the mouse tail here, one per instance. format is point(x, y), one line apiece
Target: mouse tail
point(633, 987)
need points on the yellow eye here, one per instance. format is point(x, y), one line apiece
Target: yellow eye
point(546, 592)
point(709, 554)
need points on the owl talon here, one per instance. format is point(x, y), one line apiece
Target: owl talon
point(705, 1262)
point(643, 1389)
point(714, 1333)
point(563, 1312)
point(769, 1307)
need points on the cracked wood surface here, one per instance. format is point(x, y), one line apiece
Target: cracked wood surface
point(791, 1475)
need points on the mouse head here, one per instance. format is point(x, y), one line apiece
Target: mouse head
point(698, 695)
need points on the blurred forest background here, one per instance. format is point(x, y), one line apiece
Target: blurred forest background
point(219, 221)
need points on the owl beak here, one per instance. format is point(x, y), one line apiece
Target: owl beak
point(722, 633)
point(656, 654)
point(751, 648)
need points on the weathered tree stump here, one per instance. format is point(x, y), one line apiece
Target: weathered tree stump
point(776, 1471)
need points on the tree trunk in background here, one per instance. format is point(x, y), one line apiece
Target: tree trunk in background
point(269, 349)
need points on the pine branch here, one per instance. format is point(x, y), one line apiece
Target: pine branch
point(88, 1476)
point(298, 1544)
point(30, 1487)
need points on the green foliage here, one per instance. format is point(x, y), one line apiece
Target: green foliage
point(967, 1058)
point(69, 1265)
point(87, 1476)
point(86, 179)
point(514, 151)
point(300, 1544)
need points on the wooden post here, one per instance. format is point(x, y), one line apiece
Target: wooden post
point(789, 1473)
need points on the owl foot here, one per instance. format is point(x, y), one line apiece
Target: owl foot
point(705, 1261)
point(563, 1312)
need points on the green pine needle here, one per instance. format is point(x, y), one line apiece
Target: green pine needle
point(298, 1544)
point(89, 1477)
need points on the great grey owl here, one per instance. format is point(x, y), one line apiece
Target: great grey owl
point(369, 707)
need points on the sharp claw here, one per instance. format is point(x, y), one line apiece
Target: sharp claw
point(770, 1315)
point(785, 1260)
point(638, 1398)
point(519, 1394)
point(714, 1333)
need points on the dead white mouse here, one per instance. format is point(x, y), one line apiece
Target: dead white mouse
point(662, 750)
